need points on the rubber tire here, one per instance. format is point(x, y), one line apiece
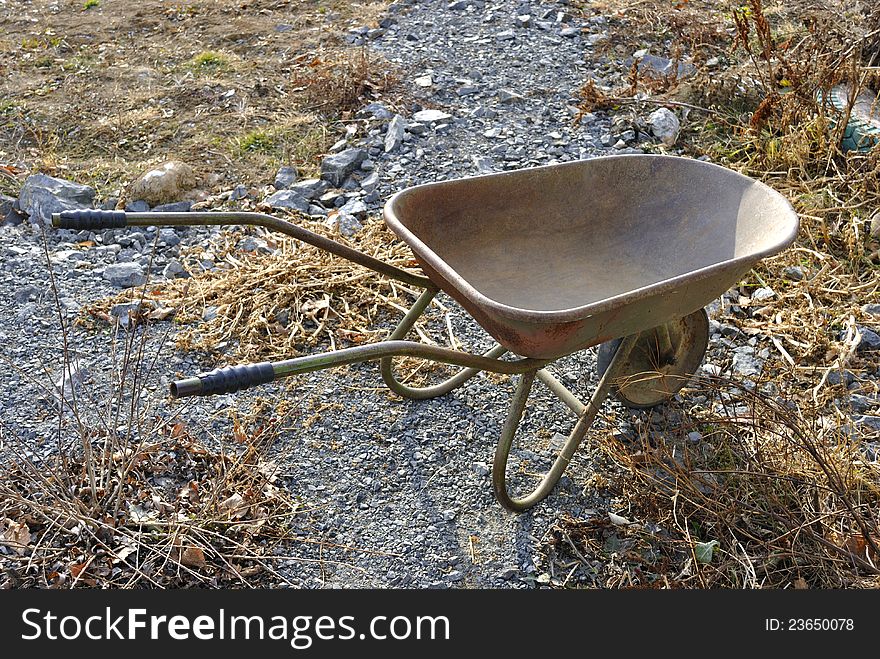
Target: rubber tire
point(694, 355)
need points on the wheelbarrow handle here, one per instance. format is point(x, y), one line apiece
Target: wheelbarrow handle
point(89, 220)
point(226, 380)
point(233, 378)
point(97, 220)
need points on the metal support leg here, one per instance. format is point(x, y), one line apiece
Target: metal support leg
point(585, 420)
point(423, 393)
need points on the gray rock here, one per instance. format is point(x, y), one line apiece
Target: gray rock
point(74, 375)
point(42, 195)
point(175, 207)
point(339, 146)
point(253, 244)
point(793, 273)
point(664, 126)
point(745, 362)
point(285, 177)
point(370, 182)
point(377, 111)
point(125, 275)
point(417, 129)
point(109, 203)
point(868, 422)
point(287, 199)
point(6, 204)
point(762, 294)
point(13, 216)
point(569, 32)
point(523, 20)
point(872, 309)
point(354, 207)
point(836, 377)
point(870, 340)
point(467, 90)
point(310, 188)
point(506, 96)
point(484, 164)
point(238, 192)
point(137, 206)
point(169, 237)
point(431, 116)
point(165, 184)
point(339, 166)
point(505, 35)
point(458, 5)
point(346, 225)
point(508, 572)
point(28, 293)
point(174, 270)
point(730, 331)
point(658, 67)
point(394, 134)
point(332, 199)
point(861, 403)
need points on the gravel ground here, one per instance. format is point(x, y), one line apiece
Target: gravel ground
point(406, 483)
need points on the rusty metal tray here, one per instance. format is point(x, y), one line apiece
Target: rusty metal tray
point(557, 258)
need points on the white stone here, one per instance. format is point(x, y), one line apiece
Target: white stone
point(431, 116)
point(664, 126)
point(165, 184)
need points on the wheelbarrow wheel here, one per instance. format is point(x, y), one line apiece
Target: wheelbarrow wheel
point(661, 363)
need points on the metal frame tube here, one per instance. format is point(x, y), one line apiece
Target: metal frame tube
point(561, 391)
point(423, 393)
point(514, 417)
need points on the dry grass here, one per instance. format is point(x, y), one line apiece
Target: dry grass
point(167, 511)
point(781, 486)
point(341, 80)
point(273, 306)
point(785, 497)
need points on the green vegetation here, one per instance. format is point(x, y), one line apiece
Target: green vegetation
point(257, 140)
point(210, 59)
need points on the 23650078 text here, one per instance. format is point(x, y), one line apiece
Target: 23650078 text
point(809, 624)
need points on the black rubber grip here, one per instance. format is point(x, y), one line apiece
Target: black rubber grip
point(233, 378)
point(91, 220)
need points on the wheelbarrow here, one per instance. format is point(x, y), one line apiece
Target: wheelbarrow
point(622, 252)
